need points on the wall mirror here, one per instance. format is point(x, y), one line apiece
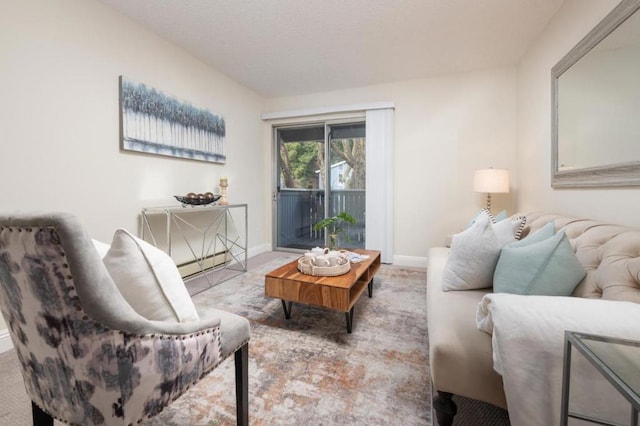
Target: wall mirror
point(596, 105)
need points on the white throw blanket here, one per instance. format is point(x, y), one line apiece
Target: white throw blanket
point(528, 346)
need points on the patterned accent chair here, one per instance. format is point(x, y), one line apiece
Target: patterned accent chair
point(87, 357)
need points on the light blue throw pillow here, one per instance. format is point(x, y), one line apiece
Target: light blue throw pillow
point(474, 218)
point(500, 216)
point(547, 268)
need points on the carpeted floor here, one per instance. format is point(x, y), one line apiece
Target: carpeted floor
point(308, 369)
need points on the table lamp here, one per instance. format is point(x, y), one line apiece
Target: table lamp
point(491, 181)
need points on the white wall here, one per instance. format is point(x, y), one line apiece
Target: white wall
point(445, 129)
point(573, 21)
point(60, 122)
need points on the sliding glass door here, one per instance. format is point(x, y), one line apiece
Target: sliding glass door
point(299, 199)
point(320, 172)
point(347, 175)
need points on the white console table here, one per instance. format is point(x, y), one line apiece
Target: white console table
point(215, 237)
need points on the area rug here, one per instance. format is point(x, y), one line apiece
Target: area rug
point(308, 370)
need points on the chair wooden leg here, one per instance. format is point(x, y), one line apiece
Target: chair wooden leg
point(445, 408)
point(242, 385)
point(40, 418)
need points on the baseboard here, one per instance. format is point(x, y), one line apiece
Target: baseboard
point(5, 341)
point(410, 261)
point(263, 248)
point(193, 267)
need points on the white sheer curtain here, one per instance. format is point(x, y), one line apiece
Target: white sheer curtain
point(379, 203)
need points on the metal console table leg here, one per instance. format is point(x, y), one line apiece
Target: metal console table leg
point(207, 232)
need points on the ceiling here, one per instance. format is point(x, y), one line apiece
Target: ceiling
point(292, 47)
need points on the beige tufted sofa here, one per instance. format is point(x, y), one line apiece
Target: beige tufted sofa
point(460, 355)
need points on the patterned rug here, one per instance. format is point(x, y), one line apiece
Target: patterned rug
point(308, 369)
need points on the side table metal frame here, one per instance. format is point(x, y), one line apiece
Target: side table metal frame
point(219, 234)
point(574, 339)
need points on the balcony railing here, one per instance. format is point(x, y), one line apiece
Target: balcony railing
point(299, 210)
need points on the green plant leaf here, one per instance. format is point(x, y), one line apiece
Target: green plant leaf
point(333, 224)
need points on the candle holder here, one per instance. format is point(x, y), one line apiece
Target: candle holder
point(223, 192)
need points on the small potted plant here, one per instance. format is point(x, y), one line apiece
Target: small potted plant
point(333, 225)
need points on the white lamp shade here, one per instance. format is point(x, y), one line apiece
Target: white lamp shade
point(491, 181)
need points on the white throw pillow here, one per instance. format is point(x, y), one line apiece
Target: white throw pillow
point(473, 257)
point(101, 248)
point(148, 279)
point(509, 230)
point(475, 251)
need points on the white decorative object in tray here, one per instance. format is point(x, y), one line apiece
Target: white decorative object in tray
point(322, 262)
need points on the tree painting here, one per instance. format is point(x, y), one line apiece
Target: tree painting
point(155, 123)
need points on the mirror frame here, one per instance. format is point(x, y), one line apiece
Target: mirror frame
point(627, 174)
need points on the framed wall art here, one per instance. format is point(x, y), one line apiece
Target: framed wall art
point(155, 123)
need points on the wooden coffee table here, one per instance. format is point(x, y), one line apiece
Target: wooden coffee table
point(339, 293)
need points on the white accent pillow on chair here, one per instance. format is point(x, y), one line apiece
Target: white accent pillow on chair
point(101, 248)
point(148, 279)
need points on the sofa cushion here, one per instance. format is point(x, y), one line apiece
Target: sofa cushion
point(148, 279)
point(475, 251)
point(548, 267)
point(460, 355)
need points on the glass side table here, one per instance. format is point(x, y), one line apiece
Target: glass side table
point(618, 360)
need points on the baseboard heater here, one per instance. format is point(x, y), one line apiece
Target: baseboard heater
point(192, 267)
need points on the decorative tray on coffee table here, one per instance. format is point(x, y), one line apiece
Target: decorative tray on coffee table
point(323, 271)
